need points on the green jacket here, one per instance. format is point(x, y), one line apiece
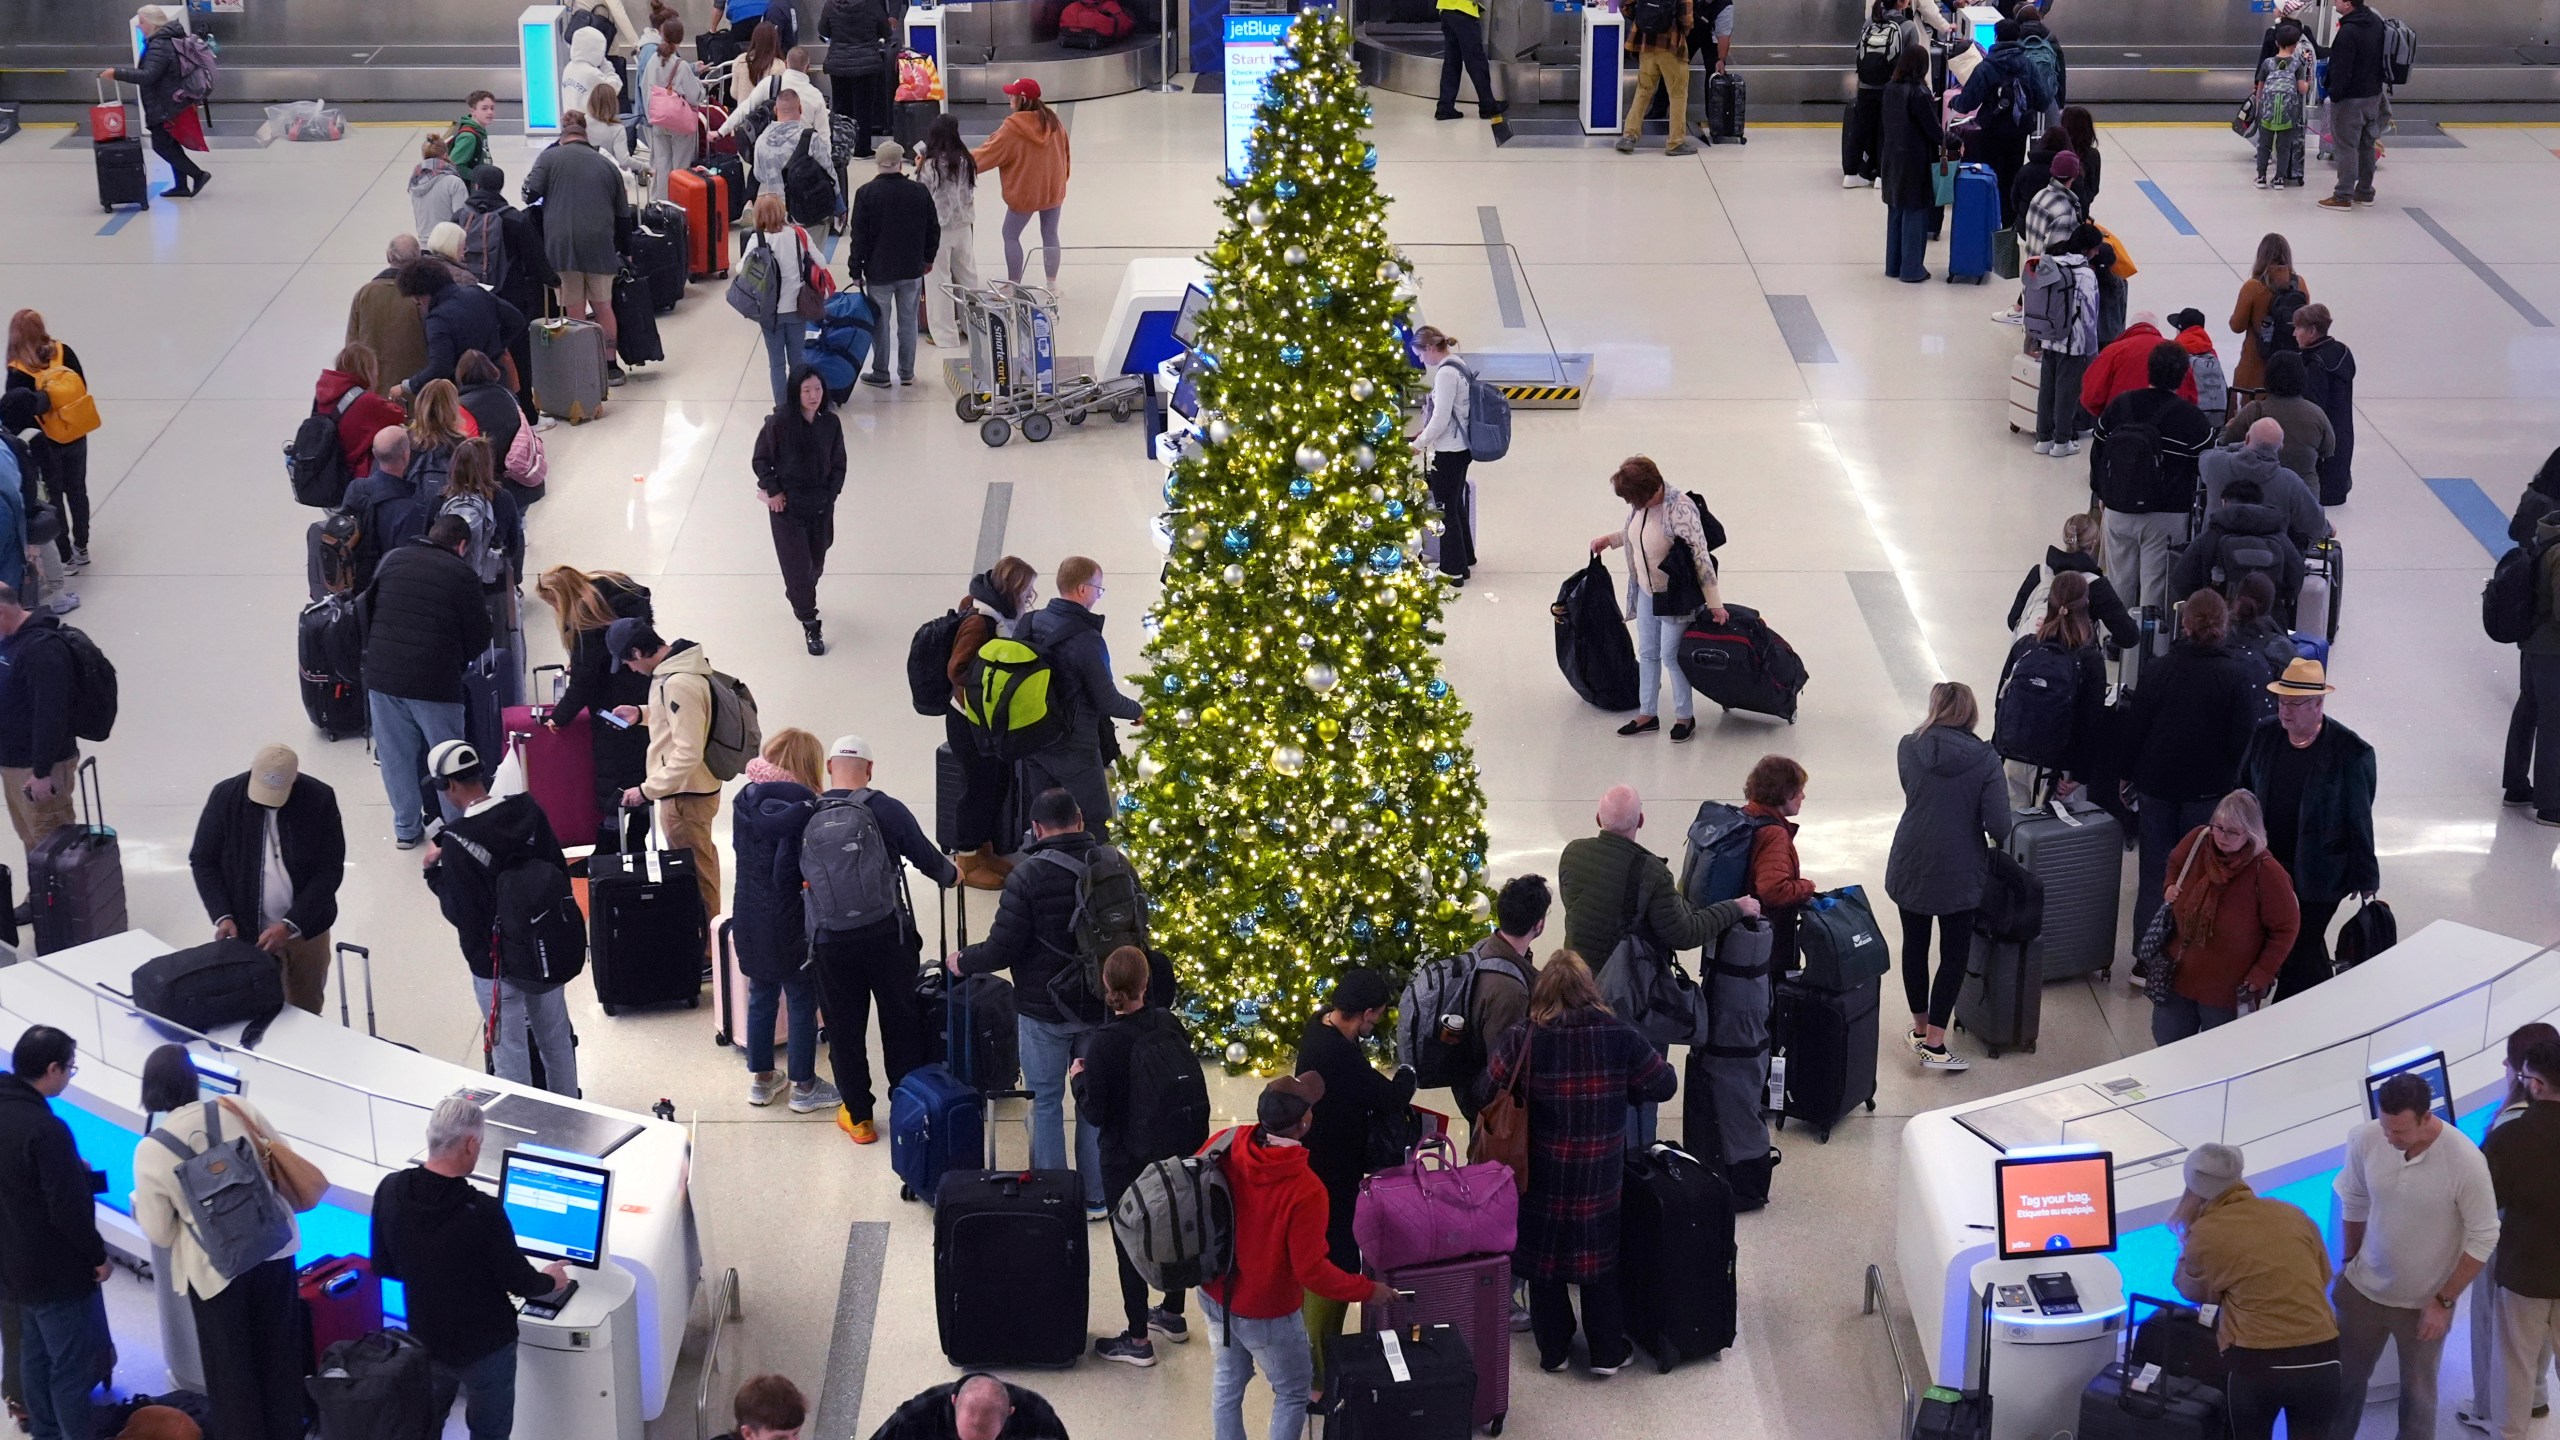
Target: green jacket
point(1593, 875)
point(2333, 857)
point(470, 146)
point(2545, 639)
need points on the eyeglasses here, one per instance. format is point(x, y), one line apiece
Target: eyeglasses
point(2230, 832)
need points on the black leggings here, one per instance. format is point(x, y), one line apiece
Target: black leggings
point(66, 473)
point(1935, 996)
point(182, 169)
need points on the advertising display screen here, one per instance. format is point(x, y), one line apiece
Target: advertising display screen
point(1253, 52)
point(2057, 1202)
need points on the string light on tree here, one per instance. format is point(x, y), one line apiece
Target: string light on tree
point(1320, 807)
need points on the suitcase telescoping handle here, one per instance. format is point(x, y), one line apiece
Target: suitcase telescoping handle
point(559, 686)
point(93, 796)
point(361, 953)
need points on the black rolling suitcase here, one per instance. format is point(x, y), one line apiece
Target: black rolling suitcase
point(1416, 1383)
point(1742, 664)
point(75, 875)
point(661, 251)
point(329, 648)
point(647, 935)
point(2128, 1402)
point(635, 318)
point(121, 178)
point(2001, 1004)
point(1675, 1237)
point(1727, 98)
point(1011, 1275)
point(1828, 1041)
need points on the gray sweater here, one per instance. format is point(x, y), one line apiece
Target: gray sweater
point(1953, 795)
point(582, 197)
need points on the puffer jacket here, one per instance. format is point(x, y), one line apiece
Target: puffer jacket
point(366, 416)
point(423, 621)
point(1032, 935)
point(2242, 526)
point(859, 36)
point(158, 75)
point(767, 924)
point(437, 194)
point(2329, 381)
point(1954, 795)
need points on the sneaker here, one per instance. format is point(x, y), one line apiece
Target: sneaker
point(878, 381)
point(813, 1097)
point(1939, 1057)
point(2365, 197)
point(1626, 144)
point(1552, 1367)
point(546, 422)
point(1682, 146)
point(2009, 317)
point(2337, 202)
point(2064, 448)
point(615, 375)
point(2518, 799)
point(409, 842)
point(79, 560)
point(766, 1087)
point(1603, 1372)
point(2466, 1416)
point(1169, 1325)
point(1852, 182)
point(1448, 113)
point(2262, 182)
point(862, 1131)
point(1918, 1040)
point(2044, 447)
point(1127, 1349)
point(1521, 1323)
point(63, 604)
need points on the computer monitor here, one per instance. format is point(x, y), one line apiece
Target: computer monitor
point(1186, 397)
point(2428, 1064)
point(215, 1078)
point(1981, 20)
point(555, 1203)
point(1186, 321)
point(2057, 1200)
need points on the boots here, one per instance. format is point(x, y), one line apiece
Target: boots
point(982, 868)
point(817, 643)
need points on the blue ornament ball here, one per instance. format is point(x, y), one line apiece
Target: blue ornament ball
point(1383, 426)
point(1386, 559)
point(1369, 161)
point(1172, 684)
point(1437, 689)
point(1377, 794)
point(1395, 509)
point(1291, 899)
point(1301, 488)
point(1475, 859)
point(1248, 1011)
point(1362, 929)
point(1128, 804)
point(1404, 927)
point(1243, 928)
point(1237, 541)
point(1444, 762)
point(1345, 555)
point(1292, 355)
point(1286, 189)
point(1330, 597)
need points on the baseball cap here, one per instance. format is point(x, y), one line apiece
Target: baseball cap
point(2066, 166)
point(451, 758)
point(890, 154)
point(1287, 1100)
point(1024, 86)
point(849, 747)
point(272, 774)
point(626, 635)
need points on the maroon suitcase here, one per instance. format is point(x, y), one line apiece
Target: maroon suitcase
point(342, 1299)
point(559, 766)
point(1474, 1295)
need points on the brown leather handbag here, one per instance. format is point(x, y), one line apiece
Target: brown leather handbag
point(1501, 1129)
point(295, 1178)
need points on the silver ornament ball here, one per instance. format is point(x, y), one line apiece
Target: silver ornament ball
point(1311, 459)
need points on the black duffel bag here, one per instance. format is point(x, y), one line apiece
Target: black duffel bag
point(1592, 646)
point(224, 982)
point(376, 1387)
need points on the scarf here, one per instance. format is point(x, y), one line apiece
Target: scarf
point(761, 771)
point(2200, 895)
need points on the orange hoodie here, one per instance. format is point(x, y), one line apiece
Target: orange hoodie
point(1034, 162)
point(1280, 1242)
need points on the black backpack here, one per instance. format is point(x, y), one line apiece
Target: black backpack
point(2132, 462)
point(595, 20)
point(2275, 333)
point(2038, 707)
point(316, 461)
point(2511, 603)
point(929, 663)
point(1653, 17)
point(203, 988)
point(808, 187)
point(1169, 1097)
point(541, 939)
point(93, 686)
point(2236, 557)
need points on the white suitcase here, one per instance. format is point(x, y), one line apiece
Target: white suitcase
point(2026, 378)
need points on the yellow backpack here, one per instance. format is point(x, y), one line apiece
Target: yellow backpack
point(69, 412)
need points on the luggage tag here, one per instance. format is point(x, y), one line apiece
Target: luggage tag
point(2143, 1379)
point(1393, 1349)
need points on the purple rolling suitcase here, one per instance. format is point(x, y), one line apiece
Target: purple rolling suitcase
point(1473, 1295)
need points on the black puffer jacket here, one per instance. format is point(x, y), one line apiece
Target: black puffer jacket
point(859, 35)
point(927, 1416)
point(159, 74)
point(1032, 934)
point(2233, 530)
point(469, 855)
point(49, 1245)
point(424, 621)
point(2190, 724)
point(767, 923)
point(1077, 652)
point(36, 675)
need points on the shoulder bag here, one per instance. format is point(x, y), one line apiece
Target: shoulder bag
point(2155, 954)
point(1500, 1134)
point(1431, 1208)
point(295, 1178)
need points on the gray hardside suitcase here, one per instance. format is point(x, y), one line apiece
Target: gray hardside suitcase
point(2002, 1003)
point(2081, 862)
point(75, 875)
point(568, 369)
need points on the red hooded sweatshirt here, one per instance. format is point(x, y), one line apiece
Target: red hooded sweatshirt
point(1280, 1244)
point(369, 414)
point(2125, 366)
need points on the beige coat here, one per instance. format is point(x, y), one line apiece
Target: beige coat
point(160, 1208)
point(679, 724)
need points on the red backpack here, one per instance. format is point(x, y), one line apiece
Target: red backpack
point(1092, 24)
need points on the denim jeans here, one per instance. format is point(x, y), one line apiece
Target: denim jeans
point(784, 340)
point(404, 730)
point(1048, 1047)
point(542, 1015)
point(1658, 649)
point(1642, 1116)
point(764, 1001)
point(893, 309)
point(1906, 243)
point(60, 1361)
point(1288, 1361)
point(2178, 1017)
point(488, 1389)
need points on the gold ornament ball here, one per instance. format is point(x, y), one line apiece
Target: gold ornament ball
point(1328, 727)
point(1288, 759)
point(1195, 536)
point(1212, 715)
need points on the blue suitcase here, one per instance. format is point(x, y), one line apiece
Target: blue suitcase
point(1977, 218)
point(936, 1125)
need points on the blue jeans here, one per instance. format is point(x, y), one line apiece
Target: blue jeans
point(2158, 827)
point(543, 1017)
point(1048, 1047)
point(1288, 1360)
point(488, 1388)
point(1906, 243)
point(784, 340)
point(1658, 649)
point(60, 1361)
point(763, 1003)
point(404, 730)
point(2178, 1017)
point(893, 308)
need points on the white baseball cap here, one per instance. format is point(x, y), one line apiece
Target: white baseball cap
point(849, 747)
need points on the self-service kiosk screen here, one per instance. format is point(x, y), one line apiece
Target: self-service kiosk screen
point(2058, 1204)
point(2427, 1065)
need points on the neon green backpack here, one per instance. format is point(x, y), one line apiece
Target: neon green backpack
point(1011, 697)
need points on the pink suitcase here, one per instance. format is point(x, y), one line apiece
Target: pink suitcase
point(559, 766)
point(1474, 1295)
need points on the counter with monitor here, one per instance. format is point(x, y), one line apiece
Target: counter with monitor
point(603, 1191)
point(2055, 1195)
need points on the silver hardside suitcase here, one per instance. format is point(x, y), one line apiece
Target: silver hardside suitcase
point(569, 369)
point(2080, 859)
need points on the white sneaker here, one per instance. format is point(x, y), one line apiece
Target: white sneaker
point(767, 1087)
point(817, 1095)
point(1942, 1058)
point(63, 604)
point(2009, 317)
point(2062, 448)
point(1852, 182)
point(2044, 447)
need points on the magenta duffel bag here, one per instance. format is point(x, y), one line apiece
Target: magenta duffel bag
point(1432, 1208)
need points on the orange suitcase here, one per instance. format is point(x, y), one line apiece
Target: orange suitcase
point(703, 195)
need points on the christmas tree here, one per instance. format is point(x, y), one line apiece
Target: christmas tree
point(1304, 799)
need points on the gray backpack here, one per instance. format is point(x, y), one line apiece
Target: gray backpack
point(1177, 1220)
point(231, 1208)
point(847, 865)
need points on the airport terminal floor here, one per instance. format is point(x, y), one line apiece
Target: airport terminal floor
point(1850, 432)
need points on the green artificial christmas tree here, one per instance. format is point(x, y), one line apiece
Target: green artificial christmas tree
point(1304, 799)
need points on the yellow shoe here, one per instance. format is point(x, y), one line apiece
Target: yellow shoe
point(862, 1131)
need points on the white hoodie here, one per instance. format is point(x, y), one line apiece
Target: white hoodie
point(586, 70)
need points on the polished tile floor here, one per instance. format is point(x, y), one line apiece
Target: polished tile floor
point(1880, 509)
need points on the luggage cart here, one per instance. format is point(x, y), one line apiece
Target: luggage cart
point(1012, 357)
